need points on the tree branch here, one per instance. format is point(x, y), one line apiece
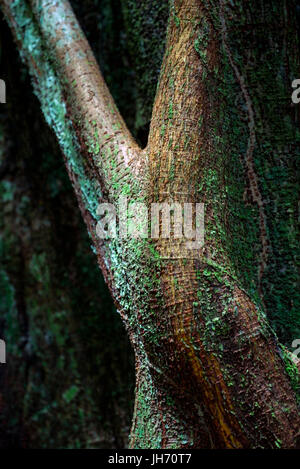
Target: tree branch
point(102, 159)
point(73, 94)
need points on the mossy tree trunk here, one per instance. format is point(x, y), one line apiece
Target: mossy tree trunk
point(210, 372)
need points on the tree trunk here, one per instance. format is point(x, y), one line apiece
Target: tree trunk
point(210, 372)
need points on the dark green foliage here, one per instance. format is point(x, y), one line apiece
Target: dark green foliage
point(145, 24)
point(276, 158)
point(266, 59)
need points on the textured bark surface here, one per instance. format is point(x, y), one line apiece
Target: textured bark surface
point(210, 371)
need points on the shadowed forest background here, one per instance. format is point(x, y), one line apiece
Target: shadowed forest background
point(69, 378)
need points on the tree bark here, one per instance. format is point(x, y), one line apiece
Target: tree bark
point(210, 371)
